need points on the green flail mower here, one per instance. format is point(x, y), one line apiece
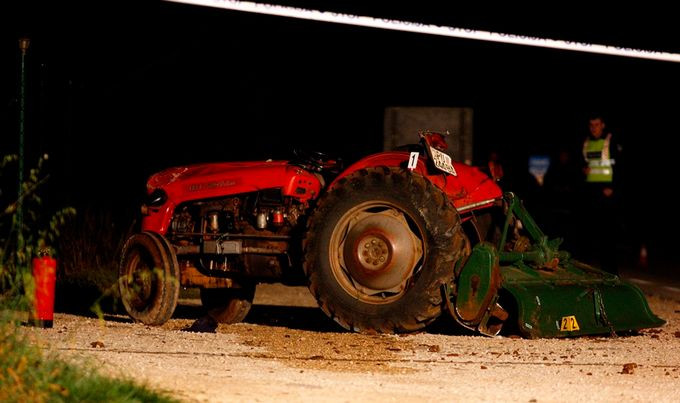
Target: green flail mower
point(525, 283)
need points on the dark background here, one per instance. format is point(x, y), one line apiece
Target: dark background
point(118, 90)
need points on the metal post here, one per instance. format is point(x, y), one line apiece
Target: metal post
point(23, 46)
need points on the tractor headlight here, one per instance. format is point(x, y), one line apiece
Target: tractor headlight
point(156, 198)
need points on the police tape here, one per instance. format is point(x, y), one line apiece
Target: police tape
point(417, 27)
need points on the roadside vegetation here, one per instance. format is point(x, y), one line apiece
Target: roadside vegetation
point(27, 372)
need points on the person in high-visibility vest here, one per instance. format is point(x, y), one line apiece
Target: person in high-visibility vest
point(602, 157)
point(598, 156)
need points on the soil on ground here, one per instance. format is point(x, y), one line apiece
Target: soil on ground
point(288, 350)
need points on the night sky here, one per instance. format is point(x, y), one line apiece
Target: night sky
point(118, 90)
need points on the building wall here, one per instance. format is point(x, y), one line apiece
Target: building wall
point(402, 124)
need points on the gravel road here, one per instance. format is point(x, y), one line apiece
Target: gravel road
point(287, 350)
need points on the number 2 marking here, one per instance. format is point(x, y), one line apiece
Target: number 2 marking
point(569, 324)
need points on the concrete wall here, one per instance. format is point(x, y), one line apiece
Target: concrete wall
point(402, 124)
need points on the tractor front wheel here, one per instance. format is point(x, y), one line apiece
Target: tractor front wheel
point(149, 278)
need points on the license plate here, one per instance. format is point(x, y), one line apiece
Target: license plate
point(442, 161)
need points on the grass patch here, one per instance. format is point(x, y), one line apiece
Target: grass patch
point(28, 375)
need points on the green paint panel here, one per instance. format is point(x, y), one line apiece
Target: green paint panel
point(477, 283)
point(599, 302)
point(555, 295)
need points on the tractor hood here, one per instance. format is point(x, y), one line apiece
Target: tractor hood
point(171, 187)
point(218, 179)
point(206, 172)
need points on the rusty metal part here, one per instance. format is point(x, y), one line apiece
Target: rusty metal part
point(190, 276)
point(374, 252)
point(213, 221)
point(264, 251)
point(552, 264)
point(478, 284)
point(522, 244)
point(187, 249)
point(265, 266)
point(493, 322)
point(228, 247)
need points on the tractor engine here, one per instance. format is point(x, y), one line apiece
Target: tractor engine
point(239, 236)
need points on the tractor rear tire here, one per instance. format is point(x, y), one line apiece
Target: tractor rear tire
point(379, 246)
point(149, 278)
point(228, 305)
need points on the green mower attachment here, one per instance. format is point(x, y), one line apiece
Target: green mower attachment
point(549, 294)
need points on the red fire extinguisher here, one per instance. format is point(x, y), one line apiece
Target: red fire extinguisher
point(45, 276)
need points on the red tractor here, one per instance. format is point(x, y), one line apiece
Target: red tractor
point(385, 245)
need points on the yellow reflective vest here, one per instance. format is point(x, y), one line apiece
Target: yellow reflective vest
point(597, 155)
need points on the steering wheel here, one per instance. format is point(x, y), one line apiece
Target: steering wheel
point(316, 161)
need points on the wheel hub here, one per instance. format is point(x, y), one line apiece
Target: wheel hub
point(380, 251)
point(141, 283)
point(375, 253)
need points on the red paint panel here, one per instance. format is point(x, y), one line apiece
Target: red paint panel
point(205, 181)
point(470, 186)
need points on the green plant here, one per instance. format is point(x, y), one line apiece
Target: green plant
point(24, 232)
point(26, 374)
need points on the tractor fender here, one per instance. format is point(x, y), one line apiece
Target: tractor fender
point(470, 189)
